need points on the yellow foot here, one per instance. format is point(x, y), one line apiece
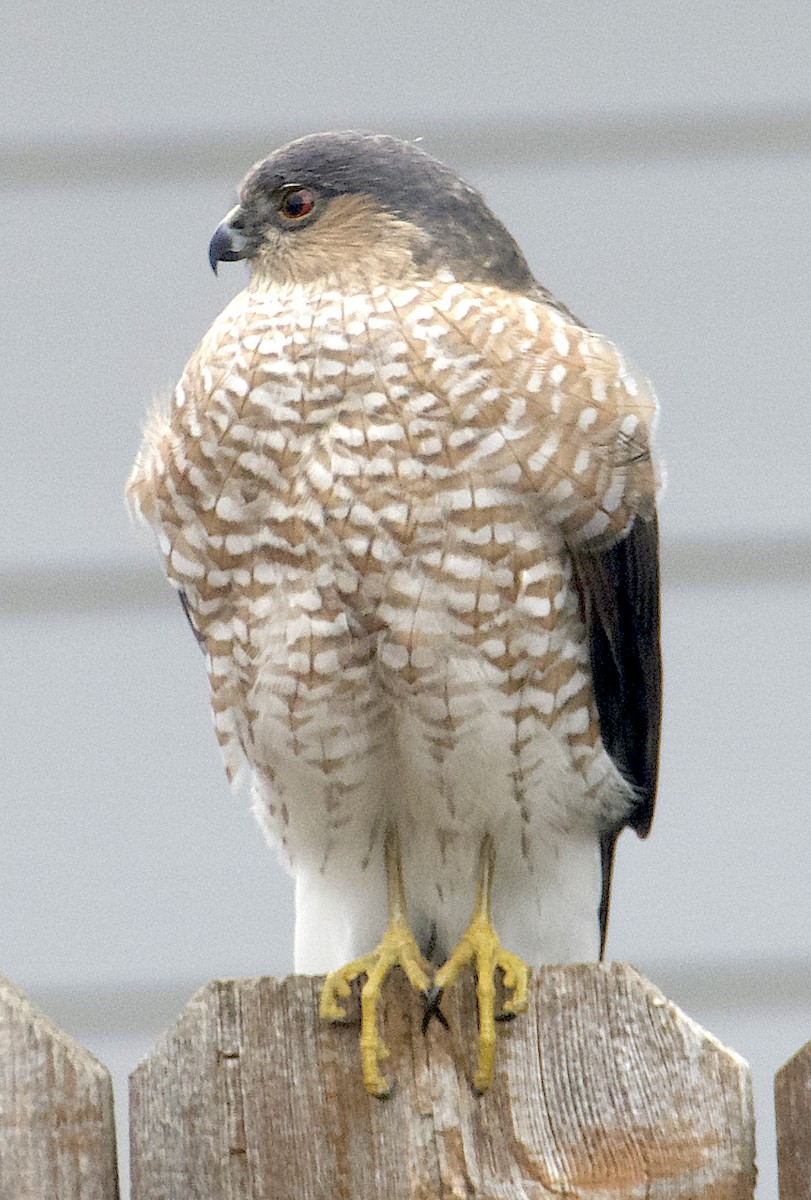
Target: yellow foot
point(397, 948)
point(480, 944)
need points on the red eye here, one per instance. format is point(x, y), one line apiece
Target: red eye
point(297, 204)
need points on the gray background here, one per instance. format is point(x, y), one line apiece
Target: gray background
point(654, 162)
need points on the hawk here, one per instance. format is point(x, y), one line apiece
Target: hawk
point(408, 502)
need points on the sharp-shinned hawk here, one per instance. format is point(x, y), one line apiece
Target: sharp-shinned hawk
point(408, 501)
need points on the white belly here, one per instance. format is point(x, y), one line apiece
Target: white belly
point(444, 789)
point(448, 702)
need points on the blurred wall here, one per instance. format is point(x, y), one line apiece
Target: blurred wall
point(655, 164)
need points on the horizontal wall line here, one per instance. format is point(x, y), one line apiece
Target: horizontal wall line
point(121, 158)
point(769, 984)
point(74, 589)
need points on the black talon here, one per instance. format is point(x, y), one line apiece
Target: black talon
point(432, 1011)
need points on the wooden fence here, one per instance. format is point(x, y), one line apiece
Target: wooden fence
point(603, 1090)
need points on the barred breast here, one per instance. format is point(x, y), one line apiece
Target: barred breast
point(367, 501)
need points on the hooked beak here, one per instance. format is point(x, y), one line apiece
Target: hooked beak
point(229, 242)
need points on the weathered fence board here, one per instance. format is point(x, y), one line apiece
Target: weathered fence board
point(603, 1090)
point(57, 1137)
point(792, 1103)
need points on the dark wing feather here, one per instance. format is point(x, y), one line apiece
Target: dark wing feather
point(184, 604)
point(619, 594)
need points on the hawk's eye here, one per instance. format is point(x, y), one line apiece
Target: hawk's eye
point(297, 204)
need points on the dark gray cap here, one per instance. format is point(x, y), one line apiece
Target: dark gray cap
point(461, 233)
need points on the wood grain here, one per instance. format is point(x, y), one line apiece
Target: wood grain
point(57, 1137)
point(603, 1090)
point(792, 1103)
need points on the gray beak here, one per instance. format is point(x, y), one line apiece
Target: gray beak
point(229, 242)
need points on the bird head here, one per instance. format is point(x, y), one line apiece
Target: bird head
point(363, 209)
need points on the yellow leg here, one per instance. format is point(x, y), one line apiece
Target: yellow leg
point(398, 947)
point(480, 944)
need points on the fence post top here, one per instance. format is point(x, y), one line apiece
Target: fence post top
point(604, 1083)
point(19, 1011)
